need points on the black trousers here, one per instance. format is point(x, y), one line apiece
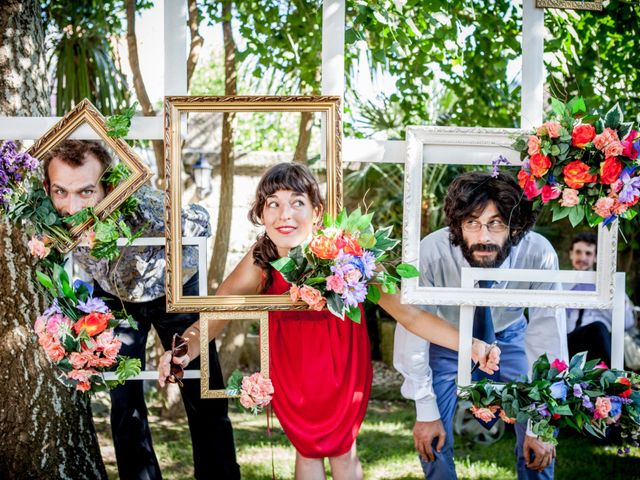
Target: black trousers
point(214, 454)
point(593, 338)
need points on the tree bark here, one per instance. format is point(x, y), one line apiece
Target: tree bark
point(138, 83)
point(46, 430)
point(230, 348)
point(196, 40)
point(304, 137)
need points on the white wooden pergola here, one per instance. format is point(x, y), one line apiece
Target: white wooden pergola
point(333, 83)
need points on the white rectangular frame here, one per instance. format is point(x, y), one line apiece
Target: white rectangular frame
point(480, 146)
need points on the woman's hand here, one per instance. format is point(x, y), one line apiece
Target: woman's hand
point(173, 362)
point(486, 356)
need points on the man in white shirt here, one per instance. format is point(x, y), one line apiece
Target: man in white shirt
point(589, 329)
point(488, 226)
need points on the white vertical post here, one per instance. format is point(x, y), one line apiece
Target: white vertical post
point(617, 322)
point(333, 23)
point(465, 329)
point(532, 64)
point(175, 47)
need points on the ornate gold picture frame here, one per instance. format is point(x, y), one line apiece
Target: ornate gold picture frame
point(85, 113)
point(263, 317)
point(175, 108)
point(595, 5)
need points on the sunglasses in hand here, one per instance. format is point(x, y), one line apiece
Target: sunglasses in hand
point(179, 348)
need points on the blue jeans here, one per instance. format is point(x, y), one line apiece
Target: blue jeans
point(444, 365)
point(214, 454)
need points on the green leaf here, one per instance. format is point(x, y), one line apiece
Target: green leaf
point(559, 212)
point(341, 219)
point(373, 293)
point(354, 314)
point(406, 270)
point(613, 117)
point(558, 107)
point(367, 240)
point(562, 410)
point(235, 380)
point(364, 221)
point(576, 215)
point(127, 368)
point(624, 129)
point(77, 218)
point(45, 280)
point(576, 105)
point(335, 304)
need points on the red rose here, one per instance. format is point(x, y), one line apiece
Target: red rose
point(582, 134)
point(351, 246)
point(610, 170)
point(93, 323)
point(550, 192)
point(540, 164)
point(576, 174)
point(556, 416)
point(625, 381)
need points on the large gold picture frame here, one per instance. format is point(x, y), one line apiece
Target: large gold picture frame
point(85, 113)
point(328, 106)
point(263, 317)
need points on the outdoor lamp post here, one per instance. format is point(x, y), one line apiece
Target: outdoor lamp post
point(202, 175)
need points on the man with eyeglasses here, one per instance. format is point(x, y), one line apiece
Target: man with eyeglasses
point(488, 225)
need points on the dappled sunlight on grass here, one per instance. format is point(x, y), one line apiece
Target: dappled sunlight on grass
point(385, 446)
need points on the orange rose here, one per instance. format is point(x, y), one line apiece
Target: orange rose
point(93, 324)
point(351, 246)
point(324, 247)
point(610, 170)
point(540, 164)
point(582, 134)
point(576, 174)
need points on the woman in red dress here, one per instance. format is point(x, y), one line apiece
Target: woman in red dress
point(320, 365)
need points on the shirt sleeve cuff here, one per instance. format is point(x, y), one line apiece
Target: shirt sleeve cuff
point(427, 411)
point(529, 430)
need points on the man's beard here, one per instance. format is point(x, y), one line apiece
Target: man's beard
point(502, 253)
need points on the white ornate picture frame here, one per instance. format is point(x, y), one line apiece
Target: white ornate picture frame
point(481, 146)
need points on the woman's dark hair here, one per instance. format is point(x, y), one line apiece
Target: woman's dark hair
point(470, 192)
point(283, 176)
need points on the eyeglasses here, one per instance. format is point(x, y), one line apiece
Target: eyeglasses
point(494, 226)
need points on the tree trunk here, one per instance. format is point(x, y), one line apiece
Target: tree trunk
point(138, 84)
point(304, 137)
point(196, 40)
point(230, 347)
point(46, 430)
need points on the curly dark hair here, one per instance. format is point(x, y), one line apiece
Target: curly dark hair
point(470, 193)
point(72, 152)
point(283, 176)
point(589, 238)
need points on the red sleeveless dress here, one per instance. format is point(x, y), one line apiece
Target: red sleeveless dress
point(321, 371)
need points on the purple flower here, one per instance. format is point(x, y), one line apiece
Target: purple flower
point(559, 390)
point(577, 390)
point(542, 410)
point(342, 264)
point(354, 294)
point(92, 305)
point(631, 186)
point(79, 283)
point(53, 309)
point(496, 163)
point(616, 406)
point(587, 403)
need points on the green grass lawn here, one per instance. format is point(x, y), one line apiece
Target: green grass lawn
point(385, 447)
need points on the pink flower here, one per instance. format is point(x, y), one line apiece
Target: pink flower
point(40, 325)
point(559, 365)
point(603, 407)
point(534, 145)
point(628, 150)
point(88, 238)
point(80, 360)
point(613, 149)
point(83, 386)
point(550, 192)
point(335, 283)
point(246, 401)
point(108, 344)
point(569, 198)
point(601, 365)
point(294, 292)
point(549, 128)
point(101, 362)
point(58, 324)
point(485, 414)
point(38, 248)
point(352, 276)
point(605, 138)
point(54, 350)
point(312, 297)
point(603, 206)
point(81, 375)
point(258, 388)
point(506, 419)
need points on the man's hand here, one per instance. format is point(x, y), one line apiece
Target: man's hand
point(487, 356)
point(543, 453)
point(164, 366)
point(423, 435)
